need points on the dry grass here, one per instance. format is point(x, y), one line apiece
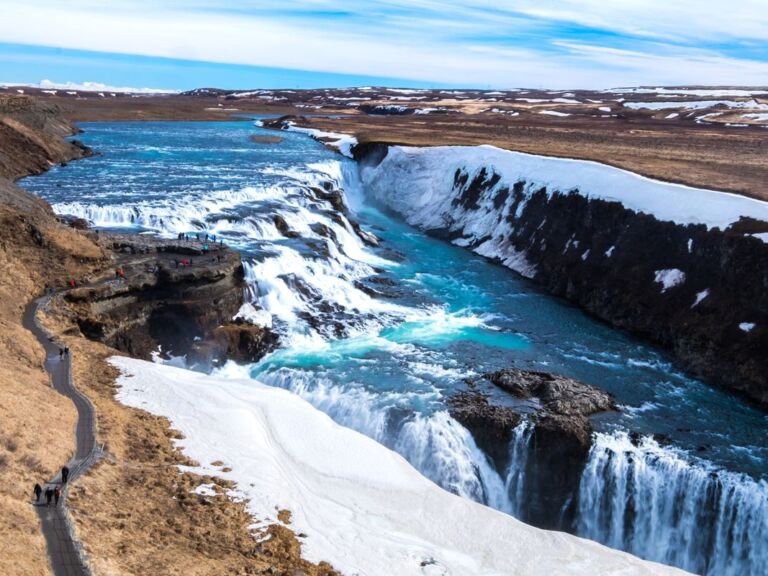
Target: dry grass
point(37, 431)
point(136, 512)
point(706, 156)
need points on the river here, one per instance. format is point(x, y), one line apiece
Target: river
point(378, 338)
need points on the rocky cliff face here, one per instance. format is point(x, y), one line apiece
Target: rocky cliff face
point(698, 290)
point(32, 137)
point(164, 294)
point(557, 412)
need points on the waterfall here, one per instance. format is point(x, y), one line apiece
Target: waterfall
point(653, 502)
point(514, 484)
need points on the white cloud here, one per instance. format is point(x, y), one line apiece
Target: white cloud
point(90, 87)
point(418, 40)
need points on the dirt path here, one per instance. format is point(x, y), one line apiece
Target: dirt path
point(66, 553)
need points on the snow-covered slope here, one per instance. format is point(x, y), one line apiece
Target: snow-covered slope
point(417, 182)
point(363, 507)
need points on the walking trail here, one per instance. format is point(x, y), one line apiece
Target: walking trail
point(66, 553)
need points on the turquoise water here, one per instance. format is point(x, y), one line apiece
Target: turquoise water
point(384, 364)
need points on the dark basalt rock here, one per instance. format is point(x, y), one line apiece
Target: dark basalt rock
point(334, 198)
point(605, 258)
point(367, 237)
point(239, 341)
point(160, 302)
point(558, 408)
point(283, 228)
point(74, 221)
point(558, 395)
point(491, 425)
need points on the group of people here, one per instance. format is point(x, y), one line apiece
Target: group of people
point(52, 493)
point(63, 352)
point(199, 238)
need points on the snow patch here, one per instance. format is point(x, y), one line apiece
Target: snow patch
point(696, 105)
point(362, 506)
point(700, 296)
point(418, 183)
point(96, 87)
point(747, 326)
point(253, 315)
point(342, 142)
point(669, 278)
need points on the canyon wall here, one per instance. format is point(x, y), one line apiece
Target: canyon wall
point(681, 267)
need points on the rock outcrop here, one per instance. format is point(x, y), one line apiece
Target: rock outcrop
point(32, 137)
point(558, 410)
point(238, 341)
point(173, 295)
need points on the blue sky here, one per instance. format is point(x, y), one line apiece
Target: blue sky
point(178, 44)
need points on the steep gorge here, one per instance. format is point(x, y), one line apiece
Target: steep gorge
point(699, 291)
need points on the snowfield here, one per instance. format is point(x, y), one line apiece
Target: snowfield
point(418, 183)
point(362, 506)
point(342, 142)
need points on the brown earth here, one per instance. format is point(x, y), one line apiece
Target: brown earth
point(37, 424)
point(137, 513)
point(684, 150)
point(706, 156)
point(134, 511)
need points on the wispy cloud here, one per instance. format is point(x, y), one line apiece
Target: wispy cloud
point(500, 43)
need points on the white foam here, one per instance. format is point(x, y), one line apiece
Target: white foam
point(362, 506)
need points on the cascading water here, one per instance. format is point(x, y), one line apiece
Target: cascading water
point(514, 484)
point(654, 503)
point(378, 338)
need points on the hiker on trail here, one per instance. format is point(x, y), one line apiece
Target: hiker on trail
point(57, 495)
point(64, 474)
point(197, 236)
point(61, 353)
point(66, 350)
point(213, 238)
point(72, 283)
point(38, 490)
point(48, 496)
point(121, 272)
point(206, 237)
point(161, 223)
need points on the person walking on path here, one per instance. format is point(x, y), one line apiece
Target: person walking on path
point(64, 474)
point(66, 350)
point(56, 495)
point(38, 490)
point(48, 496)
point(61, 353)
